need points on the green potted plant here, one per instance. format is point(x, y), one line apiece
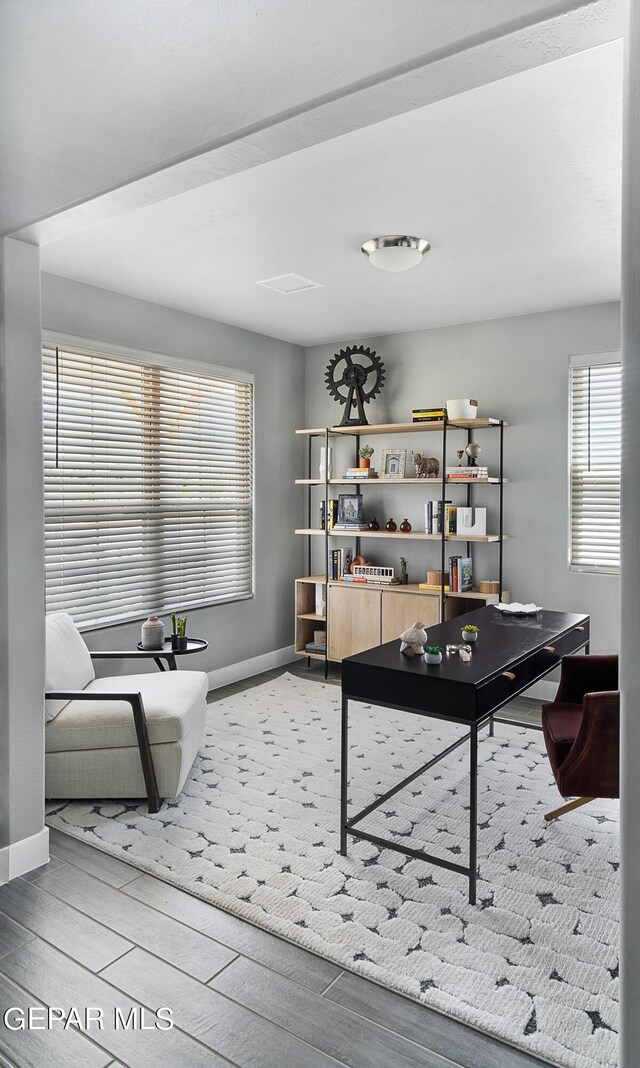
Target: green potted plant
point(178, 633)
point(470, 633)
point(365, 452)
point(433, 654)
point(404, 571)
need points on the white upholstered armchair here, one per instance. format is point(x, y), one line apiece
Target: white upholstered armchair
point(119, 737)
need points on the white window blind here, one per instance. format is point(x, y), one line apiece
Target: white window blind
point(595, 442)
point(148, 487)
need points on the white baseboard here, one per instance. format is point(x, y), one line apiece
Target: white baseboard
point(24, 856)
point(542, 691)
point(244, 669)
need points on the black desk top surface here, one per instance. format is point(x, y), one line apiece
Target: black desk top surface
point(503, 640)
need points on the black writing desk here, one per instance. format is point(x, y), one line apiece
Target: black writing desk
point(512, 652)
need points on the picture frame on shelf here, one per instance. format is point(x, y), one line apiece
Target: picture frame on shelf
point(393, 463)
point(350, 507)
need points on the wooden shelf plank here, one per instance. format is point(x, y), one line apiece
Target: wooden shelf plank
point(402, 428)
point(313, 656)
point(312, 615)
point(414, 535)
point(312, 578)
point(401, 481)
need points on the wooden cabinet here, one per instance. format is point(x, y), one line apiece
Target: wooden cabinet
point(401, 610)
point(354, 620)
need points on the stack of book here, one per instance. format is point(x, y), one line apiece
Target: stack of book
point(467, 472)
point(429, 415)
point(380, 581)
point(313, 647)
point(433, 520)
point(319, 643)
point(338, 559)
point(359, 474)
point(333, 514)
point(460, 574)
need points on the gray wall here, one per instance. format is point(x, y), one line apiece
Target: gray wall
point(243, 629)
point(21, 547)
point(517, 368)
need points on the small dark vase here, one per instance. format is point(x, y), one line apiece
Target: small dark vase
point(178, 644)
point(405, 526)
point(374, 525)
point(404, 578)
point(391, 526)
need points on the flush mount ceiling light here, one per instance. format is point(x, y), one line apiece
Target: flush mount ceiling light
point(395, 252)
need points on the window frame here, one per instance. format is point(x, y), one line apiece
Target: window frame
point(592, 359)
point(93, 347)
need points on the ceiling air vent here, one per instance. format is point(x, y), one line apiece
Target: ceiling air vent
point(289, 283)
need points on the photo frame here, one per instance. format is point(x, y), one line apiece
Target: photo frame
point(393, 463)
point(350, 509)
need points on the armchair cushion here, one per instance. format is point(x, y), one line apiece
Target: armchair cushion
point(560, 724)
point(68, 663)
point(173, 703)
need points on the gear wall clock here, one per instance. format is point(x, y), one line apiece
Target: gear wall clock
point(354, 376)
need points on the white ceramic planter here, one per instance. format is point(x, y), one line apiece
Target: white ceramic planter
point(469, 635)
point(433, 658)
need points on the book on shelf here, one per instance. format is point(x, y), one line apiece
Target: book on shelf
point(465, 573)
point(321, 599)
point(322, 515)
point(311, 647)
point(333, 513)
point(450, 519)
point(348, 528)
point(428, 415)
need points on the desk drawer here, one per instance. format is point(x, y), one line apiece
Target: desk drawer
point(509, 684)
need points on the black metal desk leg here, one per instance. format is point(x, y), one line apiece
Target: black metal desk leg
point(491, 726)
point(473, 812)
point(159, 662)
point(344, 773)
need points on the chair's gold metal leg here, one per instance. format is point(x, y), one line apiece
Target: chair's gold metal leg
point(567, 808)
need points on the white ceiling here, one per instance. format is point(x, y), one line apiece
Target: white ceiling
point(96, 93)
point(515, 184)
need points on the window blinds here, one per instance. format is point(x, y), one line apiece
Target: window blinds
point(595, 428)
point(148, 487)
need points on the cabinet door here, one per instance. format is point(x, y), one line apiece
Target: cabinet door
point(354, 620)
point(401, 610)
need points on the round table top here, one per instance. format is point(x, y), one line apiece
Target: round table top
point(194, 645)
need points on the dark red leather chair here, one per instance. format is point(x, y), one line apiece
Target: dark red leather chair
point(582, 731)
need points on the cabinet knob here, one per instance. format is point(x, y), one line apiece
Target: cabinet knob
point(508, 675)
point(549, 648)
point(581, 628)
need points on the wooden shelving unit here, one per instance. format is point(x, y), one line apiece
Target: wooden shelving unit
point(307, 619)
point(361, 615)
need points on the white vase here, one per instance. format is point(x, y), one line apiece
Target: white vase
point(324, 451)
point(469, 635)
point(152, 633)
point(433, 658)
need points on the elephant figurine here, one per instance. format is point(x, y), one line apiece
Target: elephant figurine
point(426, 466)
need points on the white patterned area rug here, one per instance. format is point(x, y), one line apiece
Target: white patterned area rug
point(255, 832)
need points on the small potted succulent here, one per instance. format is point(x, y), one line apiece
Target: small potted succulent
point(433, 654)
point(178, 633)
point(365, 452)
point(470, 633)
point(404, 571)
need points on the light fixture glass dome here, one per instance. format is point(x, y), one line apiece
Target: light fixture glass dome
point(395, 252)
